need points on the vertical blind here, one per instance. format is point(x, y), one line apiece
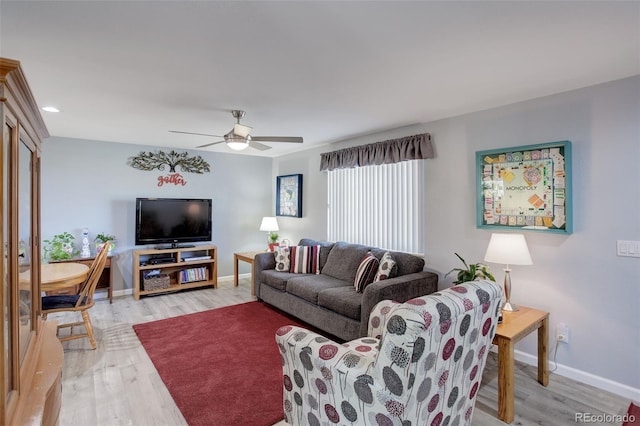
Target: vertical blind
point(379, 205)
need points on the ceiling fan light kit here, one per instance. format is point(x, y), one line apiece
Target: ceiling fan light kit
point(239, 137)
point(237, 144)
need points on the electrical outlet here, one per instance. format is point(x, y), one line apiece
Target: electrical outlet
point(562, 333)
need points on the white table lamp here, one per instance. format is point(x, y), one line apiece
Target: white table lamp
point(508, 249)
point(269, 224)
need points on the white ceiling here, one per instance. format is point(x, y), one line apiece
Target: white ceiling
point(129, 71)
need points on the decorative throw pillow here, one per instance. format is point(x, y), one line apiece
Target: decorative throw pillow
point(282, 259)
point(366, 272)
point(386, 265)
point(304, 259)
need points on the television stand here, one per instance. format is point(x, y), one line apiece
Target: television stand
point(181, 268)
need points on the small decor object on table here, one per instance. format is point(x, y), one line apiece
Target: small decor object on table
point(105, 240)
point(273, 241)
point(86, 250)
point(59, 247)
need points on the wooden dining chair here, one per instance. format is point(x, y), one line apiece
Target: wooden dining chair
point(80, 302)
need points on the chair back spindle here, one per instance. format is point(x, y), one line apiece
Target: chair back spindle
point(90, 284)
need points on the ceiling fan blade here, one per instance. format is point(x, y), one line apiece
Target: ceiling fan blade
point(241, 130)
point(293, 139)
point(258, 146)
point(209, 144)
point(199, 134)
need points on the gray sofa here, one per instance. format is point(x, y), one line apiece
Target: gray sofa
point(328, 300)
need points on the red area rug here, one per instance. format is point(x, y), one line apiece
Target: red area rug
point(222, 367)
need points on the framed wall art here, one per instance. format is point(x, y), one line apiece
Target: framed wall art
point(525, 188)
point(289, 195)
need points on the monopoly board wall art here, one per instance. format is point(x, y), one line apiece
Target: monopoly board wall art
point(525, 188)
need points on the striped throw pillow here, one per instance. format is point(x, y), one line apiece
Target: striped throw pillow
point(366, 272)
point(304, 259)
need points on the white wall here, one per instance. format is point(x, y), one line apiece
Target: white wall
point(577, 278)
point(89, 184)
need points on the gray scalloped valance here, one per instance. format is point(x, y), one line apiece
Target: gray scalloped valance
point(416, 147)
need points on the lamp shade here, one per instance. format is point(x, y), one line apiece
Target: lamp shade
point(269, 224)
point(508, 249)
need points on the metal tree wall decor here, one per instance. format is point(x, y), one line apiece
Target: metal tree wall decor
point(160, 160)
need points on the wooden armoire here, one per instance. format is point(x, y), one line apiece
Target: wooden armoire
point(32, 355)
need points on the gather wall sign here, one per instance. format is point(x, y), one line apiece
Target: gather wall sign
point(160, 160)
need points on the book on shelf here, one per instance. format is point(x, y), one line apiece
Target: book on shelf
point(193, 274)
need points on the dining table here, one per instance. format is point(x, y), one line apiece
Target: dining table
point(60, 276)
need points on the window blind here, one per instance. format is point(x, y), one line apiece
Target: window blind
point(380, 206)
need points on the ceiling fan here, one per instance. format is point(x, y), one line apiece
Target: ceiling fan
point(239, 138)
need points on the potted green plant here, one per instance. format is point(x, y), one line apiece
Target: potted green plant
point(471, 272)
point(273, 240)
point(105, 239)
point(59, 247)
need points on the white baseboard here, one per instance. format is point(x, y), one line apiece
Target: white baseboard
point(584, 377)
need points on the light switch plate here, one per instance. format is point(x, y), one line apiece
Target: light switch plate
point(627, 248)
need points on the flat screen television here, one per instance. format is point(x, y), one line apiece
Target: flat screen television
point(174, 221)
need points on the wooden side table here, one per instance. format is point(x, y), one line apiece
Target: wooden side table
point(105, 281)
point(247, 256)
point(515, 326)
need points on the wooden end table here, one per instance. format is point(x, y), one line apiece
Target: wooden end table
point(515, 326)
point(247, 256)
point(105, 282)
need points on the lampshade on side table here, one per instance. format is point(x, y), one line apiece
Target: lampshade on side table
point(269, 224)
point(508, 249)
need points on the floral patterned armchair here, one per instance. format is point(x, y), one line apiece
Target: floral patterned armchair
point(421, 363)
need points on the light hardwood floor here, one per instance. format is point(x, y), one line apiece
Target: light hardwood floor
point(118, 385)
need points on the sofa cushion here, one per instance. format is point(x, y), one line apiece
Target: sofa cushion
point(308, 286)
point(325, 248)
point(366, 272)
point(343, 261)
point(406, 263)
point(343, 300)
point(276, 279)
point(386, 266)
point(304, 259)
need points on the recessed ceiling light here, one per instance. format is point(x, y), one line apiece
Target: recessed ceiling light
point(50, 109)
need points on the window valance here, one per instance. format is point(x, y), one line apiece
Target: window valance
point(416, 147)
